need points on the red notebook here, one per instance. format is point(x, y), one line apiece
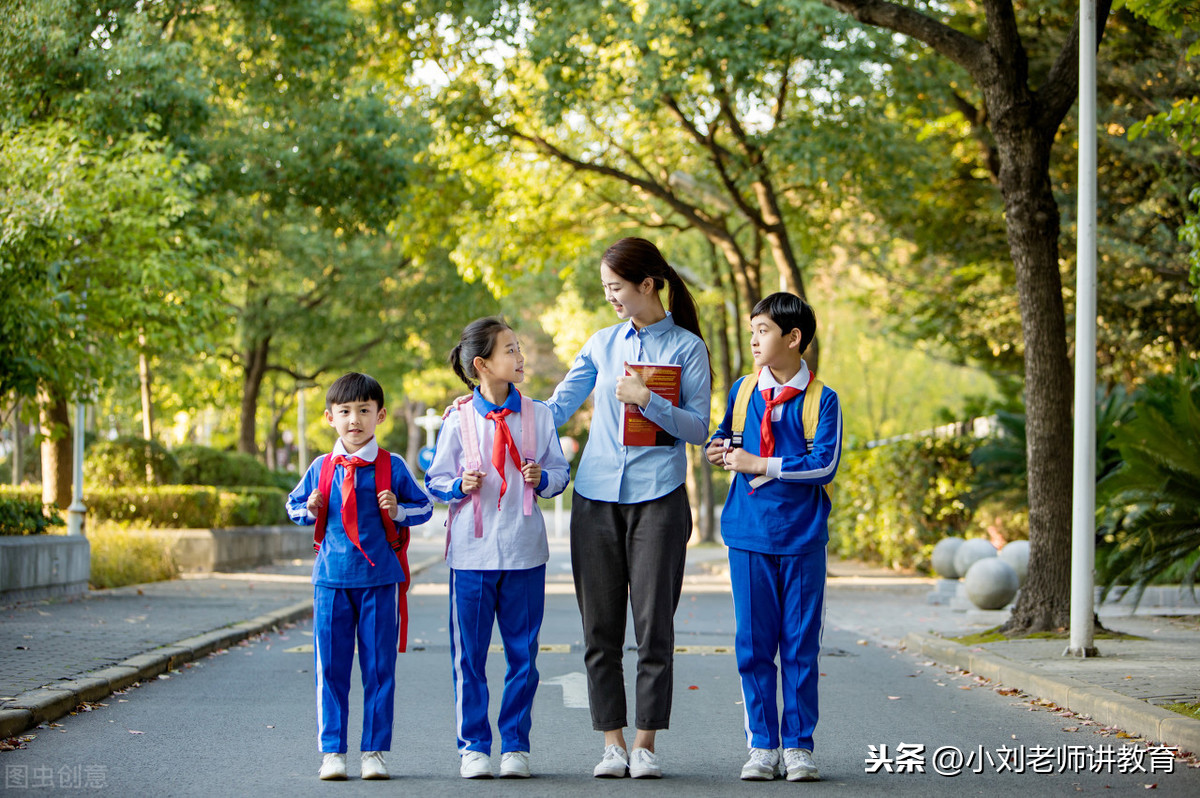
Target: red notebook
point(663, 379)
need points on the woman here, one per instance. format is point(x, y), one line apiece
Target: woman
point(630, 518)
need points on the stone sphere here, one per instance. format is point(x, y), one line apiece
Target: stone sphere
point(991, 583)
point(943, 557)
point(970, 551)
point(1016, 554)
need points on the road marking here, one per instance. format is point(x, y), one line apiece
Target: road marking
point(574, 687)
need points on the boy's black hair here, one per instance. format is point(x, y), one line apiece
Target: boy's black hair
point(790, 312)
point(354, 387)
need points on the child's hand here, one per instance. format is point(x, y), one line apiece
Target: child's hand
point(315, 501)
point(743, 462)
point(532, 473)
point(716, 450)
point(471, 480)
point(387, 503)
point(632, 390)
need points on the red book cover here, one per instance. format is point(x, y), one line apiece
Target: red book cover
point(663, 379)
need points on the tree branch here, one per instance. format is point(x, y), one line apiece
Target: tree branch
point(955, 45)
point(1062, 82)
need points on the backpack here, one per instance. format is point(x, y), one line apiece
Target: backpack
point(473, 460)
point(397, 537)
point(810, 414)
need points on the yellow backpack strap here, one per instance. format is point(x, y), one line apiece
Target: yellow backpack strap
point(812, 411)
point(740, 405)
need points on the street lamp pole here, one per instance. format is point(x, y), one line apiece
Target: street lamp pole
point(77, 512)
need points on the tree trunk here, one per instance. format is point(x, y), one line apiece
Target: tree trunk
point(55, 430)
point(253, 371)
point(1033, 228)
point(18, 450)
point(144, 378)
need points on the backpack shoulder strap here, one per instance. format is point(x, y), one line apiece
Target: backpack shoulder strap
point(398, 538)
point(528, 444)
point(471, 459)
point(741, 405)
point(811, 414)
point(325, 487)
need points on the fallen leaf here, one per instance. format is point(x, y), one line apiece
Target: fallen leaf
point(693, 687)
point(131, 731)
point(863, 642)
point(1153, 786)
point(893, 698)
point(1070, 728)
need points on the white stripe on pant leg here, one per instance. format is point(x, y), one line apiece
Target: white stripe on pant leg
point(456, 636)
point(320, 686)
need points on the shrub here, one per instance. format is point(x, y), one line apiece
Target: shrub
point(204, 465)
point(188, 506)
point(25, 515)
point(129, 461)
point(120, 557)
point(893, 503)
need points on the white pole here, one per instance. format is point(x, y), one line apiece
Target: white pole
point(1083, 525)
point(77, 511)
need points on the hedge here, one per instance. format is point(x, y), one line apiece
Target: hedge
point(129, 461)
point(893, 503)
point(188, 506)
point(22, 513)
point(204, 465)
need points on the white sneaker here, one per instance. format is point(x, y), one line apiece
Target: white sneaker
point(800, 765)
point(514, 765)
point(475, 765)
point(614, 765)
point(333, 767)
point(373, 766)
point(763, 765)
point(643, 764)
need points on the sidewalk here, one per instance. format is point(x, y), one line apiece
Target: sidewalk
point(55, 655)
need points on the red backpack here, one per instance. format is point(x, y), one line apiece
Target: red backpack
point(397, 537)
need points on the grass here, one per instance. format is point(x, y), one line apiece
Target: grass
point(120, 558)
point(993, 636)
point(1190, 710)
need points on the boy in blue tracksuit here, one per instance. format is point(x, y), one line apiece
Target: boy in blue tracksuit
point(775, 523)
point(358, 575)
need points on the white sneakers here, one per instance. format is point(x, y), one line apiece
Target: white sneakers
point(514, 765)
point(763, 765)
point(475, 765)
point(800, 765)
point(333, 767)
point(373, 767)
point(614, 765)
point(643, 764)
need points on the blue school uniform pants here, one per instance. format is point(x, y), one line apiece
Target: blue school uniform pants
point(515, 601)
point(778, 604)
point(341, 616)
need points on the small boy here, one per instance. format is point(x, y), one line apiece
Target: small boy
point(775, 523)
point(358, 574)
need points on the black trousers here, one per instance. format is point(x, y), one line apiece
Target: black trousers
point(629, 555)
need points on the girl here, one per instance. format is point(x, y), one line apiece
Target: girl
point(630, 518)
point(495, 449)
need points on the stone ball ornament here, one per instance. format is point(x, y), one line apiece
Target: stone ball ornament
point(970, 552)
point(991, 583)
point(1016, 554)
point(943, 557)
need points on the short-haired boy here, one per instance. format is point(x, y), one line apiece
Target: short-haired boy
point(775, 523)
point(357, 577)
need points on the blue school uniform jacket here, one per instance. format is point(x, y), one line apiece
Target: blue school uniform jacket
point(790, 513)
point(339, 563)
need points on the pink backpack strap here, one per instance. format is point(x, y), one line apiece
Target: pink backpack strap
point(471, 460)
point(528, 444)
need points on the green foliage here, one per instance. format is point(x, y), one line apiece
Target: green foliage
point(188, 506)
point(25, 515)
point(129, 461)
point(121, 557)
point(1152, 502)
point(204, 465)
point(893, 503)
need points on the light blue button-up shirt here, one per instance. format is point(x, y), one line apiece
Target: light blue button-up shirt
point(608, 470)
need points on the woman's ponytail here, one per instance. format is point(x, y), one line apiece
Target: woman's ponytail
point(682, 304)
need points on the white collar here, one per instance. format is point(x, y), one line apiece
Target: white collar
point(767, 381)
point(368, 452)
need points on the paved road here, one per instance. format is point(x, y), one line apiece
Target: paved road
point(241, 723)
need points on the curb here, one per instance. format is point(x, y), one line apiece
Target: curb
point(51, 702)
point(1101, 704)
